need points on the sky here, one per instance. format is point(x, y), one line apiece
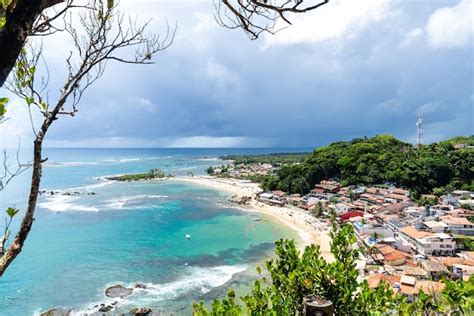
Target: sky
point(349, 69)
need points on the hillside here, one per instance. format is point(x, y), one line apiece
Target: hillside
point(437, 167)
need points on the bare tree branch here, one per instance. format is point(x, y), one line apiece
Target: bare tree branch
point(258, 16)
point(105, 36)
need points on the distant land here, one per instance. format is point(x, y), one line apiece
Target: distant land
point(439, 167)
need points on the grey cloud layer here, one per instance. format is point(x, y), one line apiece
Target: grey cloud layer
point(214, 83)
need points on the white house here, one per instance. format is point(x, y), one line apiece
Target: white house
point(458, 225)
point(427, 243)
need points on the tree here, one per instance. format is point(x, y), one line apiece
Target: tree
point(292, 276)
point(106, 32)
point(318, 210)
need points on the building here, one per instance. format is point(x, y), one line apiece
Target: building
point(427, 243)
point(458, 225)
point(435, 226)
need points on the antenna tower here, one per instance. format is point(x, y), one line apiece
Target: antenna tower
point(419, 125)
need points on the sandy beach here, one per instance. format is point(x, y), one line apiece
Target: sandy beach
point(309, 229)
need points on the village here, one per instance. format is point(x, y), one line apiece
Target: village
point(409, 246)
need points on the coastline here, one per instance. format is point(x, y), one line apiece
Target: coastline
point(308, 228)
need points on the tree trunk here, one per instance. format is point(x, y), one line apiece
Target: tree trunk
point(19, 23)
point(17, 245)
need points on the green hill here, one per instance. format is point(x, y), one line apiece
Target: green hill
point(437, 167)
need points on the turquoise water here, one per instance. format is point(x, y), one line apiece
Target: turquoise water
point(128, 233)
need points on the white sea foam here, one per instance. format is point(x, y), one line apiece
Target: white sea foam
point(69, 163)
point(101, 183)
point(120, 160)
point(209, 159)
point(125, 201)
point(63, 203)
point(196, 280)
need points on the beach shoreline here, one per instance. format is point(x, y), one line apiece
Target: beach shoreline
point(309, 229)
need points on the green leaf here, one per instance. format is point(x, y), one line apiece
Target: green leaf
point(3, 21)
point(43, 106)
point(29, 100)
point(110, 4)
point(3, 103)
point(12, 211)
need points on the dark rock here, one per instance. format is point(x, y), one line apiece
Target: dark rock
point(141, 311)
point(52, 193)
point(118, 291)
point(105, 309)
point(57, 312)
point(141, 286)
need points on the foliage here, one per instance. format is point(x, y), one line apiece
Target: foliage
point(3, 103)
point(458, 297)
point(291, 276)
point(275, 159)
point(466, 242)
point(438, 166)
point(222, 171)
point(4, 4)
point(150, 175)
point(11, 211)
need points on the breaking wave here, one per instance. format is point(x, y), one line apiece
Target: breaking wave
point(69, 163)
point(63, 203)
point(196, 281)
point(127, 202)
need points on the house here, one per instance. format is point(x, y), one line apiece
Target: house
point(342, 208)
point(435, 227)
point(374, 280)
point(370, 228)
point(427, 243)
point(401, 192)
point(462, 271)
point(391, 255)
point(327, 186)
point(467, 255)
point(415, 272)
point(405, 285)
point(278, 194)
point(395, 225)
point(346, 216)
point(433, 268)
point(458, 225)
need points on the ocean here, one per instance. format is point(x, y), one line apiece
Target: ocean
point(92, 233)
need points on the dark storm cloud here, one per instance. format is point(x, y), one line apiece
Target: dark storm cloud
point(215, 83)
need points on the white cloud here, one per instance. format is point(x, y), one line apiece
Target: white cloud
point(221, 73)
point(412, 36)
point(430, 107)
point(337, 19)
point(144, 103)
point(17, 125)
point(451, 26)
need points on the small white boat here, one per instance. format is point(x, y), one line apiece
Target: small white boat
point(188, 236)
point(257, 219)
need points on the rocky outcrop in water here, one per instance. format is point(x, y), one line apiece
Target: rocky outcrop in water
point(141, 311)
point(57, 312)
point(118, 291)
point(241, 200)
